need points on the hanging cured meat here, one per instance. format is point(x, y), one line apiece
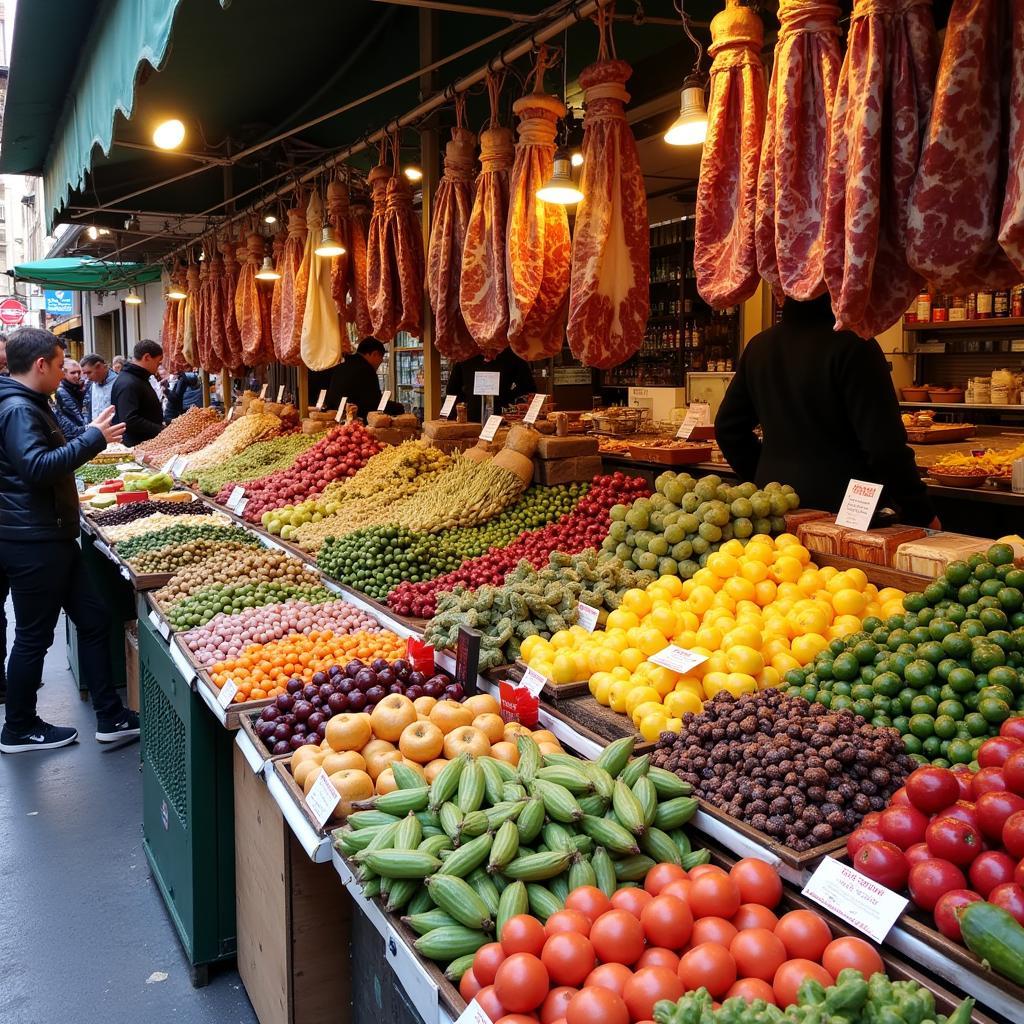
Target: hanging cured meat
point(725, 257)
point(1011, 224)
point(341, 266)
point(957, 199)
point(537, 245)
point(169, 324)
point(252, 311)
point(191, 303)
point(215, 311)
point(380, 288)
point(233, 357)
point(286, 303)
point(202, 315)
point(321, 334)
point(791, 181)
point(358, 309)
point(404, 241)
point(609, 291)
point(879, 123)
point(483, 293)
point(181, 284)
point(452, 206)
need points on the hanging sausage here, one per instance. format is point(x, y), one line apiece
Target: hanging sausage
point(252, 310)
point(404, 240)
point(725, 257)
point(286, 304)
point(215, 306)
point(341, 266)
point(380, 288)
point(1011, 224)
point(357, 224)
point(169, 324)
point(204, 350)
point(321, 326)
point(791, 181)
point(609, 292)
point(188, 333)
point(233, 358)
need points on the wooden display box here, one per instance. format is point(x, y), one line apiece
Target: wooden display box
point(293, 916)
point(131, 663)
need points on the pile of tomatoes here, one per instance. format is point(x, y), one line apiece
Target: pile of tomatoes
point(951, 837)
point(608, 961)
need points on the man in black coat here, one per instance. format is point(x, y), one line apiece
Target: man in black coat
point(355, 378)
point(39, 552)
point(515, 382)
point(136, 404)
point(828, 412)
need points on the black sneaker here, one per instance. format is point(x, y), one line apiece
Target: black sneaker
point(126, 726)
point(42, 737)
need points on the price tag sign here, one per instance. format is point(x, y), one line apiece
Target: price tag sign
point(449, 404)
point(587, 616)
point(240, 507)
point(677, 659)
point(263, 391)
point(237, 494)
point(231, 414)
point(698, 415)
point(859, 901)
point(533, 681)
point(419, 987)
point(473, 1014)
point(383, 403)
point(323, 398)
point(486, 383)
point(490, 428)
point(535, 407)
point(280, 393)
point(168, 466)
point(178, 466)
point(159, 625)
point(322, 798)
point(341, 410)
point(859, 505)
point(227, 694)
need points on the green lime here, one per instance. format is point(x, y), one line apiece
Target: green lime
point(868, 673)
point(994, 711)
point(986, 657)
point(956, 612)
point(925, 616)
point(945, 667)
point(940, 628)
point(901, 724)
point(996, 692)
point(957, 645)
point(945, 727)
point(887, 683)
point(842, 703)
point(837, 646)
point(895, 622)
point(953, 708)
point(993, 618)
point(933, 594)
point(871, 623)
point(861, 691)
point(824, 670)
point(931, 746)
point(957, 573)
point(900, 661)
point(922, 726)
point(962, 680)
point(841, 687)
point(959, 751)
point(881, 703)
point(1005, 676)
point(865, 651)
point(914, 602)
point(968, 594)
point(808, 691)
point(864, 708)
point(919, 635)
point(881, 636)
point(919, 673)
point(824, 698)
point(846, 666)
point(984, 571)
point(912, 744)
point(934, 691)
point(989, 588)
point(923, 705)
point(907, 695)
point(931, 651)
point(1014, 578)
point(1000, 554)
point(1002, 639)
point(795, 677)
point(882, 722)
point(971, 701)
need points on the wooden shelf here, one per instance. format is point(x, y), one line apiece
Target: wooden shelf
point(1000, 323)
point(961, 406)
point(409, 348)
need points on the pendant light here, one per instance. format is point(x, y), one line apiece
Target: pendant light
point(169, 134)
point(175, 293)
point(329, 244)
point(413, 173)
point(133, 298)
point(267, 271)
point(560, 187)
point(690, 128)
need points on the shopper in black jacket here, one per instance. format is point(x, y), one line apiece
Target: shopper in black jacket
point(69, 399)
point(516, 381)
point(135, 402)
point(185, 393)
point(39, 552)
point(355, 378)
point(828, 413)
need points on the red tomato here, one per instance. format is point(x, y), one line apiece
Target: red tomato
point(903, 826)
point(1010, 897)
point(804, 933)
point(596, 1005)
point(521, 983)
point(618, 936)
point(680, 889)
point(1013, 771)
point(965, 779)
point(667, 922)
point(962, 810)
point(918, 852)
point(568, 957)
point(705, 869)
point(953, 840)
point(649, 985)
point(946, 917)
point(713, 929)
point(751, 989)
point(757, 881)
point(487, 961)
point(522, 934)
point(993, 809)
point(991, 868)
point(931, 878)
point(870, 820)
point(884, 863)
point(660, 875)
point(790, 976)
point(901, 798)
point(490, 1003)
point(850, 951)
point(930, 789)
point(567, 921)
point(758, 953)
point(710, 965)
point(658, 956)
point(1013, 834)
point(862, 836)
point(632, 901)
point(610, 976)
point(589, 901)
point(1018, 874)
point(468, 985)
point(988, 780)
point(714, 896)
point(517, 1018)
point(753, 915)
point(1013, 727)
point(992, 753)
point(555, 1004)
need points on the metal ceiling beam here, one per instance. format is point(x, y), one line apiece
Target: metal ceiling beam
point(514, 16)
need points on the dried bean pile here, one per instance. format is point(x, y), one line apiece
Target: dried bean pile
point(203, 605)
point(133, 510)
point(157, 521)
point(176, 437)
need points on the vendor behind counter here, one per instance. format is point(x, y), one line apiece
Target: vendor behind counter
point(355, 378)
point(516, 381)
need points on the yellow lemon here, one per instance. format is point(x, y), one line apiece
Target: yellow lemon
point(709, 637)
point(724, 600)
point(740, 589)
point(753, 571)
point(581, 659)
point(615, 640)
point(579, 633)
point(685, 638)
point(799, 552)
point(673, 725)
point(810, 581)
point(531, 645)
point(732, 547)
point(679, 702)
point(645, 708)
point(828, 571)
point(685, 619)
point(760, 550)
point(744, 659)
point(716, 663)
point(622, 618)
point(807, 646)
point(632, 658)
point(783, 662)
point(768, 678)
point(545, 666)
point(700, 599)
point(660, 676)
point(714, 683)
point(808, 620)
point(563, 638)
point(746, 636)
point(890, 594)
point(776, 645)
point(603, 659)
point(621, 672)
point(658, 595)
point(633, 635)
point(653, 725)
point(564, 670)
point(844, 625)
point(617, 693)
point(723, 565)
point(765, 592)
point(777, 626)
point(663, 619)
point(698, 671)
point(858, 577)
point(673, 584)
point(636, 601)
point(849, 602)
point(787, 569)
point(740, 683)
point(784, 540)
point(893, 607)
point(690, 685)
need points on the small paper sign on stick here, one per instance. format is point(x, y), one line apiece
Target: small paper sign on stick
point(490, 428)
point(677, 659)
point(486, 383)
point(235, 497)
point(535, 407)
point(322, 798)
point(383, 403)
point(859, 505)
point(857, 899)
point(533, 681)
point(280, 393)
point(341, 410)
point(449, 404)
point(227, 694)
point(587, 616)
point(263, 391)
point(323, 398)
point(240, 507)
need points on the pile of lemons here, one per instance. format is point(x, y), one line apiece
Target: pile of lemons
point(754, 611)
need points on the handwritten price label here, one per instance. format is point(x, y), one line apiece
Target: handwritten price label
point(486, 383)
point(533, 681)
point(490, 428)
point(323, 398)
point(322, 798)
point(227, 694)
point(341, 410)
point(237, 494)
point(263, 391)
point(383, 403)
point(535, 407)
point(677, 659)
point(859, 901)
point(449, 404)
point(280, 393)
point(587, 616)
point(859, 505)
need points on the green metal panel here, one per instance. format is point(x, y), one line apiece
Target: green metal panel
point(187, 805)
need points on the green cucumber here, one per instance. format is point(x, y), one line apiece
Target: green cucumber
point(994, 935)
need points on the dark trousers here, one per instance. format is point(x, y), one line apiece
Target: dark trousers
point(45, 577)
point(4, 591)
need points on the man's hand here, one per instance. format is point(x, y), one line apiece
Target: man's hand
point(104, 423)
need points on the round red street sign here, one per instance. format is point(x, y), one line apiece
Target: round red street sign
point(12, 312)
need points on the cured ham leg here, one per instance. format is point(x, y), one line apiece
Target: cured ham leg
point(791, 183)
point(286, 304)
point(341, 266)
point(251, 311)
point(380, 288)
point(878, 127)
point(188, 332)
point(215, 311)
point(169, 324)
point(725, 258)
point(358, 310)
point(609, 291)
point(403, 237)
point(956, 202)
point(233, 357)
point(1011, 224)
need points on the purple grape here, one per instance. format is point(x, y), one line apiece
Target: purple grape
point(396, 688)
point(338, 702)
point(309, 691)
point(353, 668)
point(315, 720)
point(282, 731)
point(281, 747)
point(285, 702)
point(416, 678)
point(269, 714)
point(293, 685)
point(357, 701)
point(414, 692)
point(374, 694)
point(296, 741)
point(454, 691)
point(386, 677)
point(302, 710)
point(326, 690)
point(319, 678)
point(344, 685)
point(432, 688)
point(365, 678)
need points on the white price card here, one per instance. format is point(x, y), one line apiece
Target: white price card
point(280, 393)
point(383, 403)
point(159, 624)
point(240, 507)
point(535, 407)
point(473, 1014)
point(322, 798)
point(263, 391)
point(237, 494)
point(418, 985)
point(587, 616)
point(859, 901)
point(698, 415)
point(677, 659)
point(231, 414)
point(447, 406)
point(178, 467)
point(490, 428)
point(227, 694)
point(486, 382)
point(321, 399)
point(533, 681)
point(341, 410)
point(859, 505)
point(168, 466)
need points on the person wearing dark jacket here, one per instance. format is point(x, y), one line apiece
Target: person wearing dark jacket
point(185, 393)
point(355, 378)
point(69, 401)
point(136, 404)
point(516, 381)
point(828, 412)
point(39, 552)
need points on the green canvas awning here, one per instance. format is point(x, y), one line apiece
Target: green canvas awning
point(85, 275)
